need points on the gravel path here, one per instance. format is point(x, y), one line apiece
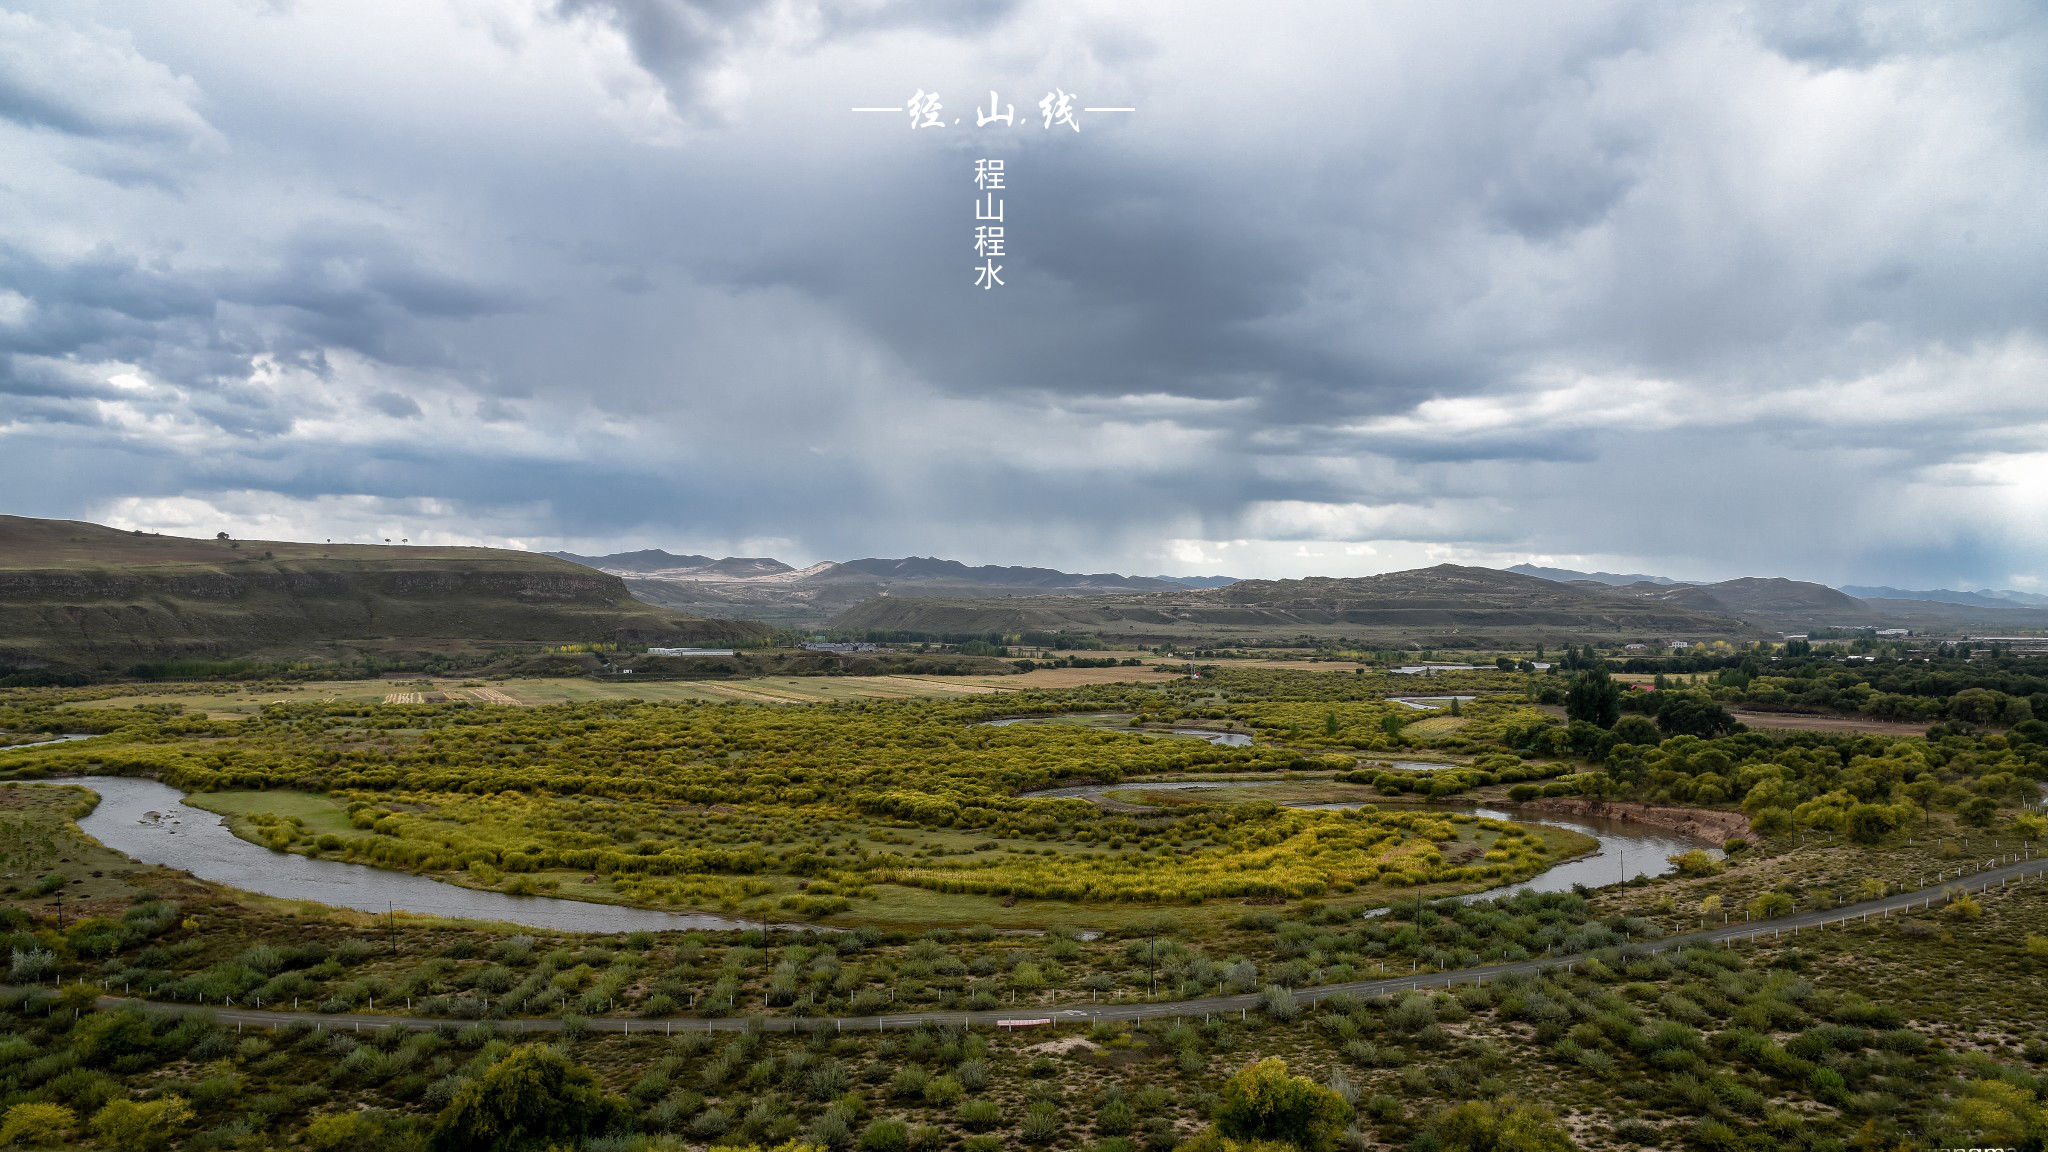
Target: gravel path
point(2013, 869)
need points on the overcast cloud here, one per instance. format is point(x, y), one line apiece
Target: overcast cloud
point(1707, 289)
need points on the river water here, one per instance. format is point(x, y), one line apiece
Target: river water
point(150, 822)
point(51, 740)
point(1225, 739)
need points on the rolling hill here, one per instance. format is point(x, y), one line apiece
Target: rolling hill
point(1569, 576)
point(1445, 606)
point(78, 595)
point(1772, 602)
point(1793, 605)
point(653, 562)
point(761, 588)
point(1984, 598)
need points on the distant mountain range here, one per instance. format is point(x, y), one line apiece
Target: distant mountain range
point(1566, 575)
point(82, 595)
point(1983, 598)
point(763, 588)
point(1446, 606)
point(653, 560)
point(1773, 602)
point(1792, 604)
point(928, 594)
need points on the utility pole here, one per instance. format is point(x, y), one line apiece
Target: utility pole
point(1152, 974)
point(60, 913)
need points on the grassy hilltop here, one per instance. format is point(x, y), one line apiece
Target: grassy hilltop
point(77, 595)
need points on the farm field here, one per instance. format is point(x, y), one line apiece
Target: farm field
point(229, 699)
point(1808, 722)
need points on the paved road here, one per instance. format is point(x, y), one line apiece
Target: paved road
point(1984, 874)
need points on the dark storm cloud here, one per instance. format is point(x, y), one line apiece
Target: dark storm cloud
point(91, 83)
point(1862, 33)
point(673, 39)
point(202, 329)
point(360, 289)
point(1128, 278)
point(679, 40)
point(98, 295)
point(627, 272)
point(50, 110)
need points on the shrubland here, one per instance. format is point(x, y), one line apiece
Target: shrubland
point(1917, 1030)
point(1831, 1044)
point(801, 811)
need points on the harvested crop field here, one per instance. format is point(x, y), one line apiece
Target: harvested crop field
point(1073, 678)
point(1813, 722)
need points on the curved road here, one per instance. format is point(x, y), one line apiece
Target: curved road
point(1986, 874)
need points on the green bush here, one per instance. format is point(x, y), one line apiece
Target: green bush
point(1279, 1003)
point(885, 1135)
point(942, 1091)
point(535, 1095)
point(1771, 904)
point(979, 1115)
point(1264, 1102)
point(127, 1125)
point(36, 1124)
point(1115, 1118)
point(344, 1132)
point(1489, 1125)
point(908, 1082)
point(832, 1128)
point(1041, 1123)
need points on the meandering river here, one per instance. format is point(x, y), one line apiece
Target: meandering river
point(151, 822)
point(1628, 849)
point(52, 740)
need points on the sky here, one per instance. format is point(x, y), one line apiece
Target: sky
point(1697, 289)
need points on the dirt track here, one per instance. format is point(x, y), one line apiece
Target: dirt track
point(1978, 876)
